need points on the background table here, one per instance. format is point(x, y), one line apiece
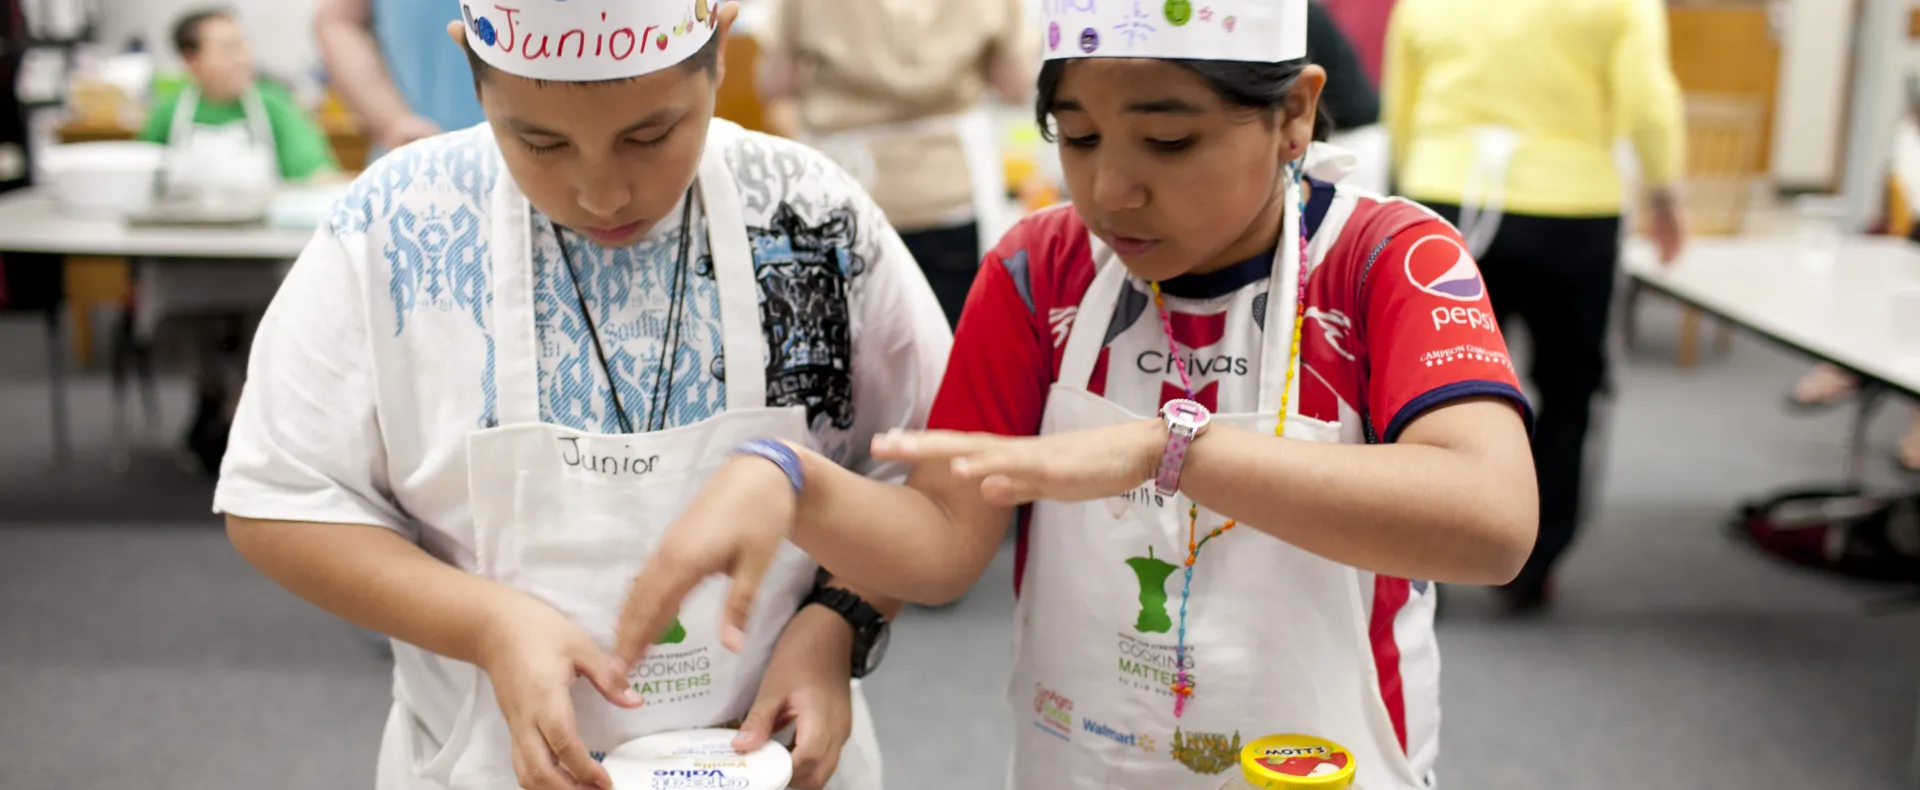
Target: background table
point(1843, 314)
point(30, 222)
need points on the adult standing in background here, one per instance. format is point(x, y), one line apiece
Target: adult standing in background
point(387, 61)
point(893, 90)
point(1503, 116)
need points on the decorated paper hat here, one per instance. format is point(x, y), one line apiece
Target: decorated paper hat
point(1267, 31)
point(587, 40)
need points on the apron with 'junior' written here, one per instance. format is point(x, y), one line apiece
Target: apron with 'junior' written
point(570, 518)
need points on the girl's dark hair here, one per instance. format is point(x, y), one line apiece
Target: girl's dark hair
point(1260, 87)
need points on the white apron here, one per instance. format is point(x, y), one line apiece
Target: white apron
point(1277, 638)
point(979, 145)
point(571, 517)
point(222, 163)
point(226, 168)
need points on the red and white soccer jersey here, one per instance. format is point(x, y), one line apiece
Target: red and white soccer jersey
point(1397, 323)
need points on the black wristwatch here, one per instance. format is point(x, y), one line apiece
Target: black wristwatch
point(870, 628)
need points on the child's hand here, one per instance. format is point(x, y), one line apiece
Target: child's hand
point(1069, 467)
point(808, 686)
point(533, 656)
point(735, 527)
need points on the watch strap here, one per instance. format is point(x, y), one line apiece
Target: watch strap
point(1167, 480)
point(866, 620)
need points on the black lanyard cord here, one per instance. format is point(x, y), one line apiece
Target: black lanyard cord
point(665, 369)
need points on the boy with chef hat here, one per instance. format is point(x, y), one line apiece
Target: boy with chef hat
point(507, 362)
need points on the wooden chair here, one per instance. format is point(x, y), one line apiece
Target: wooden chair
point(1724, 166)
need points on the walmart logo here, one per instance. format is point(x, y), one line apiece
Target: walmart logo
point(1123, 738)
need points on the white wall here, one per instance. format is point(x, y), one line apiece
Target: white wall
point(281, 31)
point(1816, 58)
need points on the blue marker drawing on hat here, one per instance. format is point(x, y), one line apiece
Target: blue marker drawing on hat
point(483, 28)
point(1135, 28)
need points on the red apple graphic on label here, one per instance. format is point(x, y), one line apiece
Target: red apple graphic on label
point(1307, 766)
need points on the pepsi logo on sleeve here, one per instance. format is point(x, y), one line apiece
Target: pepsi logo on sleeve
point(1440, 266)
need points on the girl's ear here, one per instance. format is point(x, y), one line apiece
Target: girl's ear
point(1303, 106)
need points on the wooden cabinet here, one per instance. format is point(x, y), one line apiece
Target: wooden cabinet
point(739, 99)
point(1729, 50)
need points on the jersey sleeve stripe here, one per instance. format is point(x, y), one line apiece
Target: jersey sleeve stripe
point(1458, 390)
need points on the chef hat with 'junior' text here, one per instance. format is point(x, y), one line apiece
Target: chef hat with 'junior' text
point(1263, 31)
point(587, 40)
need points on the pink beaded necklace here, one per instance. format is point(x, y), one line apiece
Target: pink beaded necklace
point(1183, 684)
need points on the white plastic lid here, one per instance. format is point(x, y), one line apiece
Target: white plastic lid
point(697, 759)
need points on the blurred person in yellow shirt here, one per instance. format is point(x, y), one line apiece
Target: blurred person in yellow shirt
point(893, 90)
point(1504, 116)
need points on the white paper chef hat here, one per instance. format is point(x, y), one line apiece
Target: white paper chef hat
point(587, 40)
point(1245, 30)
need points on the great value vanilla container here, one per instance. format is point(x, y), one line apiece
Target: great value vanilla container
point(697, 760)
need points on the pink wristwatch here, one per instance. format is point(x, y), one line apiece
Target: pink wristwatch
point(1186, 420)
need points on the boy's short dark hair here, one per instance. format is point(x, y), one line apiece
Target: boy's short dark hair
point(186, 32)
point(707, 60)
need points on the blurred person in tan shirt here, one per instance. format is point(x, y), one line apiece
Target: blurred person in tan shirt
point(895, 91)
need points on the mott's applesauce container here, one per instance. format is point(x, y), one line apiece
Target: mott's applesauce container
point(697, 760)
point(1293, 761)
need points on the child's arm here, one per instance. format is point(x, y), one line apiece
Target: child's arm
point(1450, 498)
point(1452, 501)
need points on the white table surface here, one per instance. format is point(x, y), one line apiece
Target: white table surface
point(1845, 315)
point(29, 222)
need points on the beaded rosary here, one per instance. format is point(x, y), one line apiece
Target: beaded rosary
point(1183, 684)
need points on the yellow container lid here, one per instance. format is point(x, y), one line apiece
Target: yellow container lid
point(1297, 762)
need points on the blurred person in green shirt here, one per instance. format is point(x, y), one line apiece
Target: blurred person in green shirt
point(229, 111)
point(232, 139)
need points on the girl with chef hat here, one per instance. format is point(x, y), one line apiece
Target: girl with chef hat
point(500, 371)
point(1250, 417)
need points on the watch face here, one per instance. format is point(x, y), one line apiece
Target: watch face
point(1186, 414)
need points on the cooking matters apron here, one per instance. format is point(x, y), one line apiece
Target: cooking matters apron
point(1277, 638)
point(979, 146)
point(570, 518)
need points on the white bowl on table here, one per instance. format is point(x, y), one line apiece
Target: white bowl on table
point(104, 180)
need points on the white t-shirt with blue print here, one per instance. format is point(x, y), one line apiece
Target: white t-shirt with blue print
point(377, 357)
